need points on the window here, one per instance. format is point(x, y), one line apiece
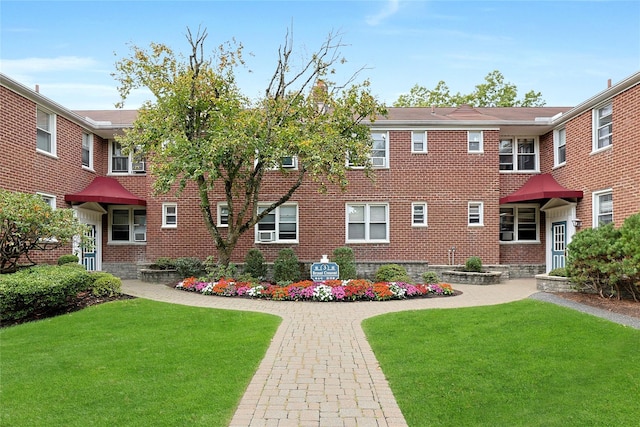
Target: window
point(125, 163)
point(289, 162)
point(379, 152)
point(474, 141)
point(223, 216)
point(475, 214)
point(602, 127)
point(602, 207)
point(419, 142)
point(169, 215)
point(50, 200)
point(46, 131)
point(518, 154)
point(367, 222)
point(280, 225)
point(87, 150)
point(519, 223)
point(559, 147)
point(127, 225)
point(419, 214)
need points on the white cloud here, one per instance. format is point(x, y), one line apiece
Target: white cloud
point(390, 8)
point(47, 65)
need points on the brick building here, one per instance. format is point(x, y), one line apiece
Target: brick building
point(511, 185)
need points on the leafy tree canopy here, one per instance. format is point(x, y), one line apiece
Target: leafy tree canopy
point(494, 92)
point(199, 128)
point(28, 224)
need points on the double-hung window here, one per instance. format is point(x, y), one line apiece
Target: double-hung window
point(46, 131)
point(169, 215)
point(519, 223)
point(602, 207)
point(367, 222)
point(278, 226)
point(124, 163)
point(518, 154)
point(127, 224)
point(87, 150)
point(602, 127)
point(559, 147)
point(475, 141)
point(475, 213)
point(419, 142)
point(419, 214)
point(379, 156)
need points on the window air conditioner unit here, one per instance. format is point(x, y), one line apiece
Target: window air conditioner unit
point(138, 167)
point(140, 237)
point(266, 236)
point(288, 162)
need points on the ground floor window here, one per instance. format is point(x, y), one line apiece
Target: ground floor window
point(419, 214)
point(279, 225)
point(367, 222)
point(519, 223)
point(169, 215)
point(602, 207)
point(127, 224)
point(475, 212)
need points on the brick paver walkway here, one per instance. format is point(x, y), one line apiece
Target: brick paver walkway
point(320, 369)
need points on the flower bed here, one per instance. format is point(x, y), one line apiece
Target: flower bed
point(330, 290)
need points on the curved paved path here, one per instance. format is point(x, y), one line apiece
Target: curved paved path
point(319, 369)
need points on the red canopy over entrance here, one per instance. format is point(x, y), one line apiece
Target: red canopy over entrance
point(538, 187)
point(105, 190)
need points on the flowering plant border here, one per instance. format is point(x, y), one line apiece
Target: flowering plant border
point(307, 290)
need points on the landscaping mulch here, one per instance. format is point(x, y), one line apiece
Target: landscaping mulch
point(623, 306)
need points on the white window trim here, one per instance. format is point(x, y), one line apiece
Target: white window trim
point(130, 163)
point(367, 239)
point(89, 135)
point(425, 135)
point(515, 240)
point(481, 213)
point(219, 215)
point(51, 200)
point(595, 205)
point(481, 148)
point(426, 216)
point(514, 154)
point(52, 131)
point(386, 153)
point(165, 214)
point(595, 123)
point(277, 221)
point(556, 146)
point(131, 241)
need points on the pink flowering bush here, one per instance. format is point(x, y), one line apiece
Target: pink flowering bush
point(306, 290)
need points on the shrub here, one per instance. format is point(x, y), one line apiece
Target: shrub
point(216, 271)
point(473, 264)
point(254, 264)
point(286, 267)
point(392, 273)
point(345, 259)
point(430, 277)
point(66, 259)
point(558, 272)
point(165, 263)
point(189, 267)
point(40, 290)
point(105, 285)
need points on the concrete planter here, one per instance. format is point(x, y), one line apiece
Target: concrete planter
point(546, 283)
point(159, 276)
point(470, 278)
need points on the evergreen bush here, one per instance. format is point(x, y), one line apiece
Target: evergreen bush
point(189, 267)
point(473, 264)
point(217, 271)
point(286, 267)
point(392, 273)
point(558, 272)
point(165, 263)
point(105, 285)
point(345, 259)
point(69, 258)
point(254, 264)
point(430, 277)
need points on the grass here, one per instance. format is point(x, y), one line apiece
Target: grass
point(526, 363)
point(133, 362)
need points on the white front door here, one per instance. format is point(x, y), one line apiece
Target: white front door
point(559, 228)
point(91, 214)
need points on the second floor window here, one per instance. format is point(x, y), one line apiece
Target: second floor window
point(602, 127)
point(560, 146)
point(379, 156)
point(518, 154)
point(87, 150)
point(124, 163)
point(474, 141)
point(46, 131)
point(419, 142)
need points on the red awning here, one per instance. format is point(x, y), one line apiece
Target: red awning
point(538, 187)
point(105, 190)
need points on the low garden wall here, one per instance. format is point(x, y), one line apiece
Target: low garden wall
point(546, 283)
point(471, 278)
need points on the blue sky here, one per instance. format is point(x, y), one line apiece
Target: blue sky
point(565, 49)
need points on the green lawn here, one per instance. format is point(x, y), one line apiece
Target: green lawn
point(133, 362)
point(526, 363)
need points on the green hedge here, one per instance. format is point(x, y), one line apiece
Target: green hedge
point(45, 289)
